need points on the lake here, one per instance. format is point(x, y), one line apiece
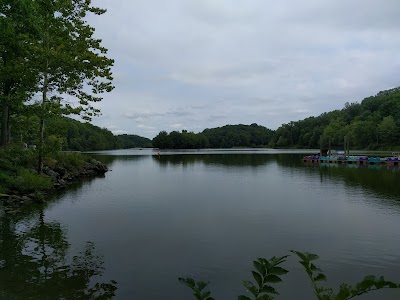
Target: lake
point(205, 214)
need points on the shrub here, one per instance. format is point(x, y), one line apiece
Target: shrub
point(268, 272)
point(30, 181)
point(71, 160)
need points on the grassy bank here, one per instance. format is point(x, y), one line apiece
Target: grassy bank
point(18, 169)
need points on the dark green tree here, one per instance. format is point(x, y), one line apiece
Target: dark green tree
point(70, 61)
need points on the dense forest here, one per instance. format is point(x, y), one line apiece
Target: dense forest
point(68, 134)
point(372, 124)
point(74, 135)
point(221, 137)
point(51, 65)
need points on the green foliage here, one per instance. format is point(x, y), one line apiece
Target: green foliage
point(71, 160)
point(268, 272)
point(371, 124)
point(78, 136)
point(222, 137)
point(180, 140)
point(125, 141)
point(30, 181)
point(346, 291)
point(238, 136)
point(17, 167)
point(197, 288)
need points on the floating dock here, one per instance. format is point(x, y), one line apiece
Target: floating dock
point(391, 161)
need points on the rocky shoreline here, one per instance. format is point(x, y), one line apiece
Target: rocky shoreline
point(13, 202)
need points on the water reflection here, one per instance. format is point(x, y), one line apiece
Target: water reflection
point(381, 180)
point(35, 262)
point(236, 160)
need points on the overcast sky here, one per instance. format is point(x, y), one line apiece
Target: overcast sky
point(196, 64)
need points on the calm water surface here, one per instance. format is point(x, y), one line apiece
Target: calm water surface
point(205, 214)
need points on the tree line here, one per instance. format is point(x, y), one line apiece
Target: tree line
point(71, 135)
point(50, 65)
point(227, 136)
point(372, 124)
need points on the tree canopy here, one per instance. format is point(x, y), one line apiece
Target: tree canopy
point(371, 124)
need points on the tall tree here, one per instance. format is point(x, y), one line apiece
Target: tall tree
point(16, 78)
point(70, 61)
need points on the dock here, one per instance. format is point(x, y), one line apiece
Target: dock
point(391, 161)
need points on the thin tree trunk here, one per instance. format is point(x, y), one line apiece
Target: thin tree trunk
point(4, 125)
point(42, 125)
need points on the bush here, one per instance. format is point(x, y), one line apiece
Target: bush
point(29, 181)
point(71, 160)
point(269, 272)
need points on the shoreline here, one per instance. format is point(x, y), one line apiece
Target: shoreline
point(12, 202)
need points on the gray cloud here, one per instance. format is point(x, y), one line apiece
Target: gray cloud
point(208, 63)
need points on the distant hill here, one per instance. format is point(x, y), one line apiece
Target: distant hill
point(133, 141)
point(372, 124)
point(221, 137)
point(77, 136)
point(240, 135)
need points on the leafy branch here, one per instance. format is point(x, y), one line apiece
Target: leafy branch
point(268, 272)
point(197, 288)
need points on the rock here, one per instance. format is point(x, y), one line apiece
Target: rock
point(26, 200)
point(12, 212)
point(15, 198)
point(61, 171)
point(50, 172)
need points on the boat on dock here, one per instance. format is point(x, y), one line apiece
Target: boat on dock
point(338, 157)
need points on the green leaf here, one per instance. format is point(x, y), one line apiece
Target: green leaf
point(260, 267)
point(205, 295)
point(366, 284)
point(320, 277)
point(264, 297)
point(242, 297)
point(301, 255)
point(198, 296)
point(277, 271)
point(269, 289)
point(201, 285)
point(311, 256)
point(258, 278)
point(272, 278)
point(189, 282)
point(314, 268)
point(251, 287)
point(279, 260)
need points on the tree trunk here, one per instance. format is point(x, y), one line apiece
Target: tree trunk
point(4, 125)
point(42, 125)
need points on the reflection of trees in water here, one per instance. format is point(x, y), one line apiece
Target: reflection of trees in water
point(377, 179)
point(35, 263)
point(110, 159)
point(235, 160)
